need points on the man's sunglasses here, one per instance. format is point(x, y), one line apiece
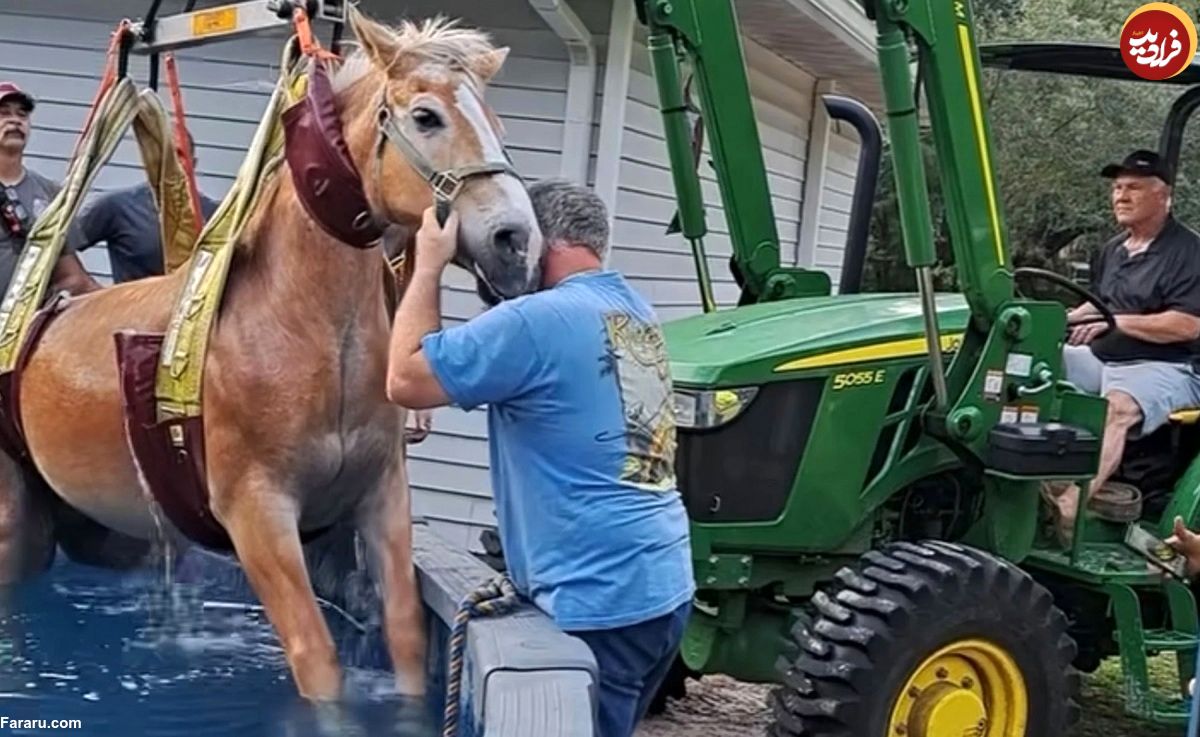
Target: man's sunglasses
point(13, 213)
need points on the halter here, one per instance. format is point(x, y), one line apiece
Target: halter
point(446, 184)
point(327, 182)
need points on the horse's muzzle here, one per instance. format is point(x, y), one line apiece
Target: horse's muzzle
point(511, 242)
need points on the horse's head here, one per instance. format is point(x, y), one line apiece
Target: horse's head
point(435, 141)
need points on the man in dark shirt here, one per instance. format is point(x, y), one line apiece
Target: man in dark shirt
point(1149, 277)
point(127, 221)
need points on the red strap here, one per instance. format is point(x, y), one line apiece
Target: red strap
point(309, 45)
point(107, 80)
point(181, 142)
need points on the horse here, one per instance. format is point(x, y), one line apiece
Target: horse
point(298, 432)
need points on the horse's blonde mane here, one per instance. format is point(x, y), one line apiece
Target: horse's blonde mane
point(438, 40)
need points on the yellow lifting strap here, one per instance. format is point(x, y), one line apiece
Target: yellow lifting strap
point(178, 224)
point(179, 379)
point(114, 112)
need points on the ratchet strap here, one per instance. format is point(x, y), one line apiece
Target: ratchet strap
point(179, 216)
point(115, 110)
point(180, 373)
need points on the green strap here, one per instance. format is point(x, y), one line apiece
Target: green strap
point(114, 113)
point(179, 379)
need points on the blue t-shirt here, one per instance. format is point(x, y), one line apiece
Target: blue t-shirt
point(582, 441)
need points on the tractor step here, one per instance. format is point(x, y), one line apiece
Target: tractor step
point(1169, 641)
point(1167, 711)
point(1136, 643)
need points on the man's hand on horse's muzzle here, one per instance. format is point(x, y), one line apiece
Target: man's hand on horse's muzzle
point(436, 244)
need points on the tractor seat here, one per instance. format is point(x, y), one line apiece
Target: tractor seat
point(1186, 416)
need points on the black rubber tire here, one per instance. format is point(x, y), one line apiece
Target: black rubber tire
point(898, 605)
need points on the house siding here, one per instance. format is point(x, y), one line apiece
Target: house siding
point(836, 196)
point(661, 265)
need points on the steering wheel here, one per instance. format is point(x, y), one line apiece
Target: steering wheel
point(1106, 314)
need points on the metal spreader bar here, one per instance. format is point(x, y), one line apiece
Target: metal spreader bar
point(184, 30)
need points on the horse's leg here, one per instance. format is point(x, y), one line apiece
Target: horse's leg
point(26, 526)
point(261, 521)
point(386, 522)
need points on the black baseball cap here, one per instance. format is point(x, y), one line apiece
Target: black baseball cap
point(1143, 163)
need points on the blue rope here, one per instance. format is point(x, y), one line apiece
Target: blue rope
point(495, 597)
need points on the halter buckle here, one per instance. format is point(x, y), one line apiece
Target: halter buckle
point(445, 185)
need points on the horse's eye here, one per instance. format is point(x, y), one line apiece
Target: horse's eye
point(426, 119)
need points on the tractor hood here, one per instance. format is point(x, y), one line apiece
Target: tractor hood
point(762, 342)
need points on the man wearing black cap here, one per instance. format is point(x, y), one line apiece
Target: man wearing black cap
point(25, 194)
point(1149, 277)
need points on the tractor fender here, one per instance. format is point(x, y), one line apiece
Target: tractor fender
point(1185, 501)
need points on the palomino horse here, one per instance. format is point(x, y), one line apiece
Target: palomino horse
point(298, 431)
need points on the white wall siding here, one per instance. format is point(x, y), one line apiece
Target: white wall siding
point(836, 197)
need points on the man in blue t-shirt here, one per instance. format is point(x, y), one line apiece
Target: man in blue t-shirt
point(581, 430)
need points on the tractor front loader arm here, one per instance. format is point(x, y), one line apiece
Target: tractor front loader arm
point(704, 34)
point(1003, 403)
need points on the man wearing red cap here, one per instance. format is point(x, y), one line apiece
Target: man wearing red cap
point(25, 194)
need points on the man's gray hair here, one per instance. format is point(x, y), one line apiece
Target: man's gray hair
point(570, 212)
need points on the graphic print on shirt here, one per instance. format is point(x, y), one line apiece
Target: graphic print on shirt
point(636, 353)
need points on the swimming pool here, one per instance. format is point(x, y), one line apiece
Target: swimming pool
point(133, 654)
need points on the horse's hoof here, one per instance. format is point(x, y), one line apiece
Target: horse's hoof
point(335, 720)
point(413, 719)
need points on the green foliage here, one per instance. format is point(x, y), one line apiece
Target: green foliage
point(1051, 134)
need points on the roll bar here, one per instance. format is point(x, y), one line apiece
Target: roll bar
point(854, 257)
point(1172, 133)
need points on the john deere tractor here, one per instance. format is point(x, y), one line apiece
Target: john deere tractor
point(863, 472)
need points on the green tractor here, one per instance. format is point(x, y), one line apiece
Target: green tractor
point(863, 472)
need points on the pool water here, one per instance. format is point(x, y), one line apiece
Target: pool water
point(138, 654)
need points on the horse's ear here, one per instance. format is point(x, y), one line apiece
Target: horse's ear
point(486, 65)
point(376, 40)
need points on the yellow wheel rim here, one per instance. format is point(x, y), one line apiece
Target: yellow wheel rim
point(969, 688)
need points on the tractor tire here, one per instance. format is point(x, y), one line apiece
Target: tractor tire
point(925, 640)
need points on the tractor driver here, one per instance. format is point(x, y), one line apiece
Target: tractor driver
point(1149, 277)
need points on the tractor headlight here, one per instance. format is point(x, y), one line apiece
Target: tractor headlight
point(703, 410)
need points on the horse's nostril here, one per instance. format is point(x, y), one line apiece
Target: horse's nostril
point(514, 238)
